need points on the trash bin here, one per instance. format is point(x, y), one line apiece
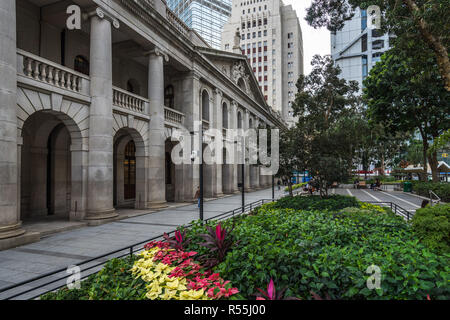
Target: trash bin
point(407, 187)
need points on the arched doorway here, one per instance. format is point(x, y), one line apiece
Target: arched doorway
point(129, 170)
point(47, 167)
point(170, 172)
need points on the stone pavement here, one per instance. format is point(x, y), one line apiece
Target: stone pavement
point(67, 248)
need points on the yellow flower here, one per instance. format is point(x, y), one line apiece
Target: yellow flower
point(192, 295)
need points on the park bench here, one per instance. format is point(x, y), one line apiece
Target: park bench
point(362, 185)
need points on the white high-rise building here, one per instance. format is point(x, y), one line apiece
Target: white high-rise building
point(271, 38)
point(356, 48)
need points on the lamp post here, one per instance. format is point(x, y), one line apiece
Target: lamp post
point(273, 187)
point(193, 157)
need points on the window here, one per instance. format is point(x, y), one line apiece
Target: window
point(364, 67)
point(364, 43)
point(363, 20)
point(133, 86)
point(377, 44)
point(169, 97)
point(81, 65)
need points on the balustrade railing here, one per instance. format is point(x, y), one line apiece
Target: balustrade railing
point(128, 100)
point(174, 116)
point(43, 70)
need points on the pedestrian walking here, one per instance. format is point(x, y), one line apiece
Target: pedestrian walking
point(197, 196)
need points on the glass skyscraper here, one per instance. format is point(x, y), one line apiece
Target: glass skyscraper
point(207, 17)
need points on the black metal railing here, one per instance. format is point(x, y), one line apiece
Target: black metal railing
point(395, 208)
point(54, 280)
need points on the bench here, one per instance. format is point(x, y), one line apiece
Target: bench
point(362, 185)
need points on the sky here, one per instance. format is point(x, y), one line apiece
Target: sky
point(315, 41)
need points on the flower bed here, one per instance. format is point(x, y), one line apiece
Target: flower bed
point(321, 248)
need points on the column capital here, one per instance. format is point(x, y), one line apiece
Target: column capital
point(158, 52)
point(102, 14)
point(234, 103)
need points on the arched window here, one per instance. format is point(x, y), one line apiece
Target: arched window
point(250, 123)
point(205, 105)
point(81, 65)
point(239, 120)
point(133, 86)
point(225, 116)
point(169, 97)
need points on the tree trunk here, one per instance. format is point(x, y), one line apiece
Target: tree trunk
point(432, 159)
point(424, 176)
point(291, 194)
point(382, 172)
point(434, 43)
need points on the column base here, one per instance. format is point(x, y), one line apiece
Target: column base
point(14, 236)
point(157, 205)
point(101, 215)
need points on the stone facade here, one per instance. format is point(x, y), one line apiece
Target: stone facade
point(86, 116)
point(269, 34)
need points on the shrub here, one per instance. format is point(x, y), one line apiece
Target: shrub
point(296, 186)
point(441, 189)
point(329, 253)
point(432, 226)
point(332, 203)
point(113, 282)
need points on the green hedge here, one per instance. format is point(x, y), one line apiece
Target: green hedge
point(332, 203)
point(329, 253)
point(441, 189)
point(432, 226)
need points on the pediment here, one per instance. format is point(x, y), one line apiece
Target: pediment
point(237, 69)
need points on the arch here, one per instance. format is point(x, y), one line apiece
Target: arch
point(169, 97)
point(225, 116)
point(130, 172)
point(239, 120)
point(81, 64)
point(51, 175)
point(133, 86)
point(205, 105)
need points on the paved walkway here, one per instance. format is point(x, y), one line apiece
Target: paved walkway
point(67, 248)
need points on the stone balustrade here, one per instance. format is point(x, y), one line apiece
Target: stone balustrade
point(128, 100)
point(173, 116)
point(46, 71)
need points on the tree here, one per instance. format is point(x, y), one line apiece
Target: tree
point(404, 93)
point(323, 105)
point(424, 21)
point(292, 154)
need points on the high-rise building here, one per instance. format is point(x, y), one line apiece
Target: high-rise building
point(271, 38)
point(207, 17)
point(356, 48)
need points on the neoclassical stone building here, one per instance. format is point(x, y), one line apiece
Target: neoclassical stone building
point(86, 115)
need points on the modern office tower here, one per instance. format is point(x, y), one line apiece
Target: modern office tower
point(207, 17)
point(271, 38)
point(356, 48)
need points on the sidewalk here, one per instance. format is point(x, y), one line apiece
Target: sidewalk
point(60, 250)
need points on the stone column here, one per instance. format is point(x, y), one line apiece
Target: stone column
point(100, 170)
point(156, 167)
point(11, 233)
point(218, 124)
point(255, 168)
point(234, 166)
point(246, 126)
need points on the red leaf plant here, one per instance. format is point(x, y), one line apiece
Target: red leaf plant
point(219, 241)
point(186, 267)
